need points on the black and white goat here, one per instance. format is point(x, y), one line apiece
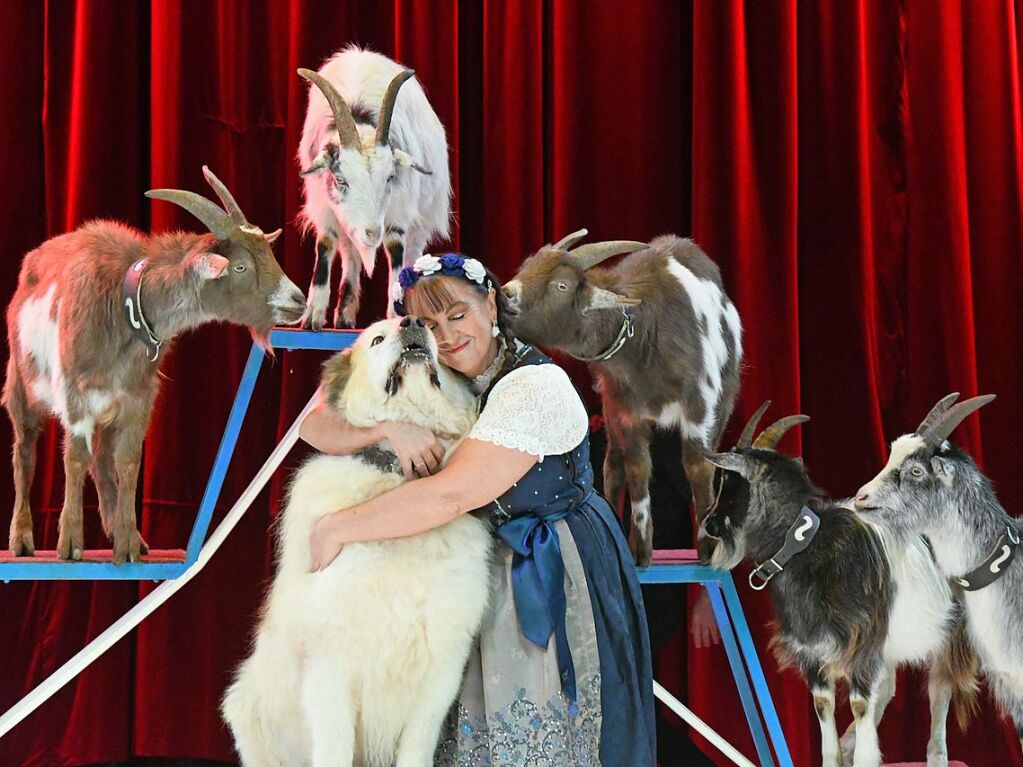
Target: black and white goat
point(78, 355)
point(664, 345)
point(934, 488)
point(847, 605)
point(375, 161)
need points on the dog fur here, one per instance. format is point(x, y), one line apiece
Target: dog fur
point(359, 663)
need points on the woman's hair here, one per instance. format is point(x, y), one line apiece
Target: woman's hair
point(435, 295)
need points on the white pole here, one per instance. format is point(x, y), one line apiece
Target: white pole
point(701, 727)
point(157, 596)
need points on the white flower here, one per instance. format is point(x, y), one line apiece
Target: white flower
point(396, 292)
point(474, 270)
point(427, 265)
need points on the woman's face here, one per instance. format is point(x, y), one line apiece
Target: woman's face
point(462, 325)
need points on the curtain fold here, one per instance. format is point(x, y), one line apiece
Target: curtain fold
point(856, 169)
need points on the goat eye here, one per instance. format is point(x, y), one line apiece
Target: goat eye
point(239, 268)
point(562, 286)
point(917, 472)
point(377, 340)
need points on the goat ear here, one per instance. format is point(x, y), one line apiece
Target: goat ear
point(605, 299)
point(210, 266)
point(729, 462)
point(324, 161)
point(336, 372)
point(270, 238)
point(404, 159)
point(943, 469)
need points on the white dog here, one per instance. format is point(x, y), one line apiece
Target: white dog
point(359, 663)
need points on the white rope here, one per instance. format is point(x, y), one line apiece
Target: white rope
point(701, 727)
point(157, 596)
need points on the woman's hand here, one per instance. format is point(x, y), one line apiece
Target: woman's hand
point(704, 627)
point(418, 449)
point(323, 545)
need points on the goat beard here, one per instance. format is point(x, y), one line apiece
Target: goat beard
point(262, 339)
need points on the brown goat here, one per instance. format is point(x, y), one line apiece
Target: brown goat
point(74, 353)
point(664, 346)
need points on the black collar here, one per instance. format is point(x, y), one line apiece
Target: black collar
point(131, 294)
point(797, 539)
point(627, 331)
point(996, 563)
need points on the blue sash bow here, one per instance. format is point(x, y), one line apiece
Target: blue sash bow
point(538, 582)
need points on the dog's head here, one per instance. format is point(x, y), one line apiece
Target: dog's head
point(391, 373)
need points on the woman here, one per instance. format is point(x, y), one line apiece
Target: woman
point(562, 673)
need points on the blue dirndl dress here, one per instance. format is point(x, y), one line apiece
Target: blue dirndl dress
point(561, 674)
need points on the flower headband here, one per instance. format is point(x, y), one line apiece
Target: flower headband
point(449, 264)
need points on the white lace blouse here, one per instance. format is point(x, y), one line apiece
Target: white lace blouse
point(534, 409)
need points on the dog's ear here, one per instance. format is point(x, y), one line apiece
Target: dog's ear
point(336, 372)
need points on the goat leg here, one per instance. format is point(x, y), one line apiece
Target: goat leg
point(614, 475)
point(128, 544)
point(395, 247)
point(823, 690)
point(26, 425)
point(348, 290)
point(885, 693)
point(700, 473)
point(637, 476)
point(940, 695)
point(863, 700)
point(104, 476)
point(319, 289)
point(71, 540)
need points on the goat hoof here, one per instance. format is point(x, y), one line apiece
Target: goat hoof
point(312, 320)
point(130, 550)
point(21, 545)
point(341, 323)
point(641, 550)
point(69, 549)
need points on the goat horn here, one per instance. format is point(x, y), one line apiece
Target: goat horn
point(569, 240)
point(948, 421)
point(746, 438)
point(387, 105)
point(588, 256)
point(938, 410)
point(771, 436)
point(215, 219)
point(232, 208)
point(343, 120)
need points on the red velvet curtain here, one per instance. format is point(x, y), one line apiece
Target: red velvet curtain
point(855, 168)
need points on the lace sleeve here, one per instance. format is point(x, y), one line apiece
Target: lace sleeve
point(534, 409)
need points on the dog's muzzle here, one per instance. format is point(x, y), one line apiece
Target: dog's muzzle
point(415, 342)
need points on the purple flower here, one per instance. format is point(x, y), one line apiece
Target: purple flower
point(451, 264)
point(407, 277)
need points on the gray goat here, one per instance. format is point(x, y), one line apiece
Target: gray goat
point(664, 345)
point(848, 604)
point(934, 488)
point(85, 329)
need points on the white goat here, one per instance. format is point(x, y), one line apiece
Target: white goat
point(376, 171)
point(362, 660)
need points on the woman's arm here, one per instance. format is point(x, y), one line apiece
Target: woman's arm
point(477, 473)
point(330, 432)
point(418, 449)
